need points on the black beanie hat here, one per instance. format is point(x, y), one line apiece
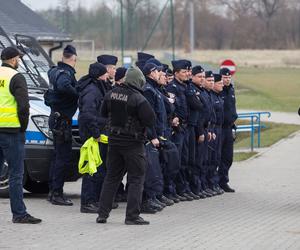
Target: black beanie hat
point(120, 73)
point(97, 69)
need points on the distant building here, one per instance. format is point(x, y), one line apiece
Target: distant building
point(17, 18)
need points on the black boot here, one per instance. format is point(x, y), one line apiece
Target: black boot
point(173, 198)
point(208, 195)
point(179, 197)
point(157, 201)
point(27, 219)
point(90, 208)
point(227, 188)
point(202, 195)
point(60, 200)
point(137, 221)
point(194, 196)
point(147, 209)
point(212, 192)
point(101, 220)
point(164, 199)
point(187, 196)
point(155, 205)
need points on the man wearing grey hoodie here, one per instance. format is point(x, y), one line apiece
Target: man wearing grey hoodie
point(128, 113)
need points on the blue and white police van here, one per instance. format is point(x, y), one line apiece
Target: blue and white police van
point(39, 140)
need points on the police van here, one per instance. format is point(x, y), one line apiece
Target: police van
point(39, 140)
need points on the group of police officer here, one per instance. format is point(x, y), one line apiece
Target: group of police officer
point(170, 131)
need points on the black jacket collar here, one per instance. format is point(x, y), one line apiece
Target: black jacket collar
point(66, 67)
point(152, 82)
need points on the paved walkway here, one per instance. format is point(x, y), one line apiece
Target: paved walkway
point(264, 213)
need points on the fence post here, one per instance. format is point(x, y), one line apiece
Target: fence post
point(258, 131)
point(252, 134)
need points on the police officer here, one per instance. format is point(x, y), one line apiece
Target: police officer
point(110, 62)
point(218, 104)
point(206, 119)
point(156, 135)
point(169, 154)
point(63, 80)
point(91, 124)
point(153, 179)
point(129, 113)
point(230, 116)
point(196, 133)
point(178, 88)
point(14, 114)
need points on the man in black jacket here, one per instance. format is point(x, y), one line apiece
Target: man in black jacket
point(91, 124)
point(14, 113)
point(128, 113)
point(230, 116)
point(63, 80)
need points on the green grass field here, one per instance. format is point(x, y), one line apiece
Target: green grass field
point(273, 133)
point(269, 135)
point(242, 156)
point(271, 89)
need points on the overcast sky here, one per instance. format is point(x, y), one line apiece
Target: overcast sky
point(45, 4)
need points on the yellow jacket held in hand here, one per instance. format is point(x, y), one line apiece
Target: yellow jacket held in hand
point(90, 157)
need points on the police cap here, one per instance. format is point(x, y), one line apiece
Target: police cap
point(209, 74)
point(107, 59)
point(197, 69)
point(179, 64)
point(141, 56)
point(225, 72)
point(188, 64)
point(217, 77)
point(148, 68)
point(71, 50)
point(156, 62)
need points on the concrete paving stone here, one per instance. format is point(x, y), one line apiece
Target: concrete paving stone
point(264, 214)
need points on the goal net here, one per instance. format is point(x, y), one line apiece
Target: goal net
point(85, 49)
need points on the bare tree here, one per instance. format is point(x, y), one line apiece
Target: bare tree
point(239, 8)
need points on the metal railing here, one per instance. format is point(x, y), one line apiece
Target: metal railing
point(254, 126)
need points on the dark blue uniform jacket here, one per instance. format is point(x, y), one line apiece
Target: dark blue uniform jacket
point(230, 114)
point(156, 100)
point(181, 108)
point(218, 105)
point(65, 92)
point(91, 123)
point(207, 115)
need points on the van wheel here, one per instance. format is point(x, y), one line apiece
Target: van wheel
point(36, 187)
point(4, 186)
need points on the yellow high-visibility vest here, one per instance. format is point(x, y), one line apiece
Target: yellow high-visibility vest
point(8, 105)
point(90, 158)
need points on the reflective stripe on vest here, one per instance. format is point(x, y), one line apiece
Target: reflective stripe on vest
point(8, 105)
